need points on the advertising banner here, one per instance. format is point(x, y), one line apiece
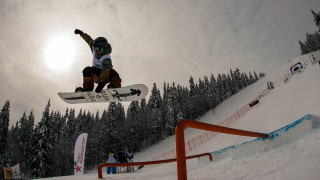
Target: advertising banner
point(79, 153)
point(12, 172)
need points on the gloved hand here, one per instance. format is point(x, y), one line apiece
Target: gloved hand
point(77, 31)
point(100, 87)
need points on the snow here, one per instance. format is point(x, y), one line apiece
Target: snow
point(285, 104)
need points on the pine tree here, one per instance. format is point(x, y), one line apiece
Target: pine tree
point(28, 133)
point(23, 142)
point(4, 136)
point(304, 48)
point(4, 127)
point(316, 18)
point(169, 117)
point(256, 78)
point(312, 42)
point(215, 89)
point(154, 106)
point(251, 78)
point(133, 125)
point(13, 154)
point(43, 147)
point(192, 87)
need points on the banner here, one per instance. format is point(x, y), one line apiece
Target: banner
point(79, 153)
point(12, 172)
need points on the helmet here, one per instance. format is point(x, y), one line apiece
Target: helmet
point(100, 42)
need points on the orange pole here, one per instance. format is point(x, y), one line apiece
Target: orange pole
point(181, 154)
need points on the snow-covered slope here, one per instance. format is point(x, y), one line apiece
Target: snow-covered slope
point(283, 105)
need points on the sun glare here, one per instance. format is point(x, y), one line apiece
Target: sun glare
point(59, 53)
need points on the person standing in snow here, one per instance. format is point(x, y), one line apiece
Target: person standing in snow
point(101, 71)
point(130, 156)
point(121, 157)
point(112, 159)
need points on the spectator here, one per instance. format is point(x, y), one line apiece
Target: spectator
point(122, 157)
point(130, 156)
point(112, 159)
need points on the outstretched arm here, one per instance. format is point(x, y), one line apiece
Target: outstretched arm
point(85, 36)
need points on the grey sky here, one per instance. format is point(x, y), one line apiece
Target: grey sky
point(152, 40)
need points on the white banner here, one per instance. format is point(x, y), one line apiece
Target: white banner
point(79, 153)
point(12, 172)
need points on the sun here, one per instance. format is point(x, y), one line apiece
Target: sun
point(59, 53)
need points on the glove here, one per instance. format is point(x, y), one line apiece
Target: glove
point(77, 31)
point(100, 87)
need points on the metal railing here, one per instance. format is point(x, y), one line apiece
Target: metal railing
point(180, 142)
point(146, 163)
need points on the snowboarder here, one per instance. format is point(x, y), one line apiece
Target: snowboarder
point(101, 71)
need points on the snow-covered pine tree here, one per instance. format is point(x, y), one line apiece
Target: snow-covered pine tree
point(28, 133)
point(146, 124)
point(312, 42)
point(316, 18)
point(4, 130)
point(12, 151)
point(71, 122)
point(4, 127)
point(256, 78)
point(43, 147)
point(133, 126)
point(251, 78)
point(223, 92)
point(154, 109)
point(169, 116)
point(215, 89)
point(245, 79)
point(23, 142)
point(116, 122)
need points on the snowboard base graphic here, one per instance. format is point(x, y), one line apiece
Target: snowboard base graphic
point(123, 94)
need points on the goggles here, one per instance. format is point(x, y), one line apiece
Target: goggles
point(97, 48)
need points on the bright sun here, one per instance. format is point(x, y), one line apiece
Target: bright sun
point(59, 53)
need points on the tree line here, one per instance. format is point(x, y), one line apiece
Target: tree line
point(46, 148)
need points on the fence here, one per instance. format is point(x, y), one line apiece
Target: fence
point(207, 135)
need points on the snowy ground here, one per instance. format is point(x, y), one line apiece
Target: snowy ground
point(285, 104)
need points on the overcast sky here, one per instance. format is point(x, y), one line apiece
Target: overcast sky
point(153, 41)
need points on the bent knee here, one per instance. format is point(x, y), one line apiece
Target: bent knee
point(87, 71)
point(106, 64)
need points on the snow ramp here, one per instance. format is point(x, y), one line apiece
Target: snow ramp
point(280, 137)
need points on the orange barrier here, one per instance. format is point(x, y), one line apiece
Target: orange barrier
point(145, 163)
point(180, 142)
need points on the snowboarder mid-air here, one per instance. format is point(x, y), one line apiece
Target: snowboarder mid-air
point(101, 71)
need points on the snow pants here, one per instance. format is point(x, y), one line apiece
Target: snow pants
point(112, 170)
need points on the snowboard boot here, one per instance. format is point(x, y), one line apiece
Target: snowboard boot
point(100, 87)
point(78, 89)
point(88, 84)
point(115, 82)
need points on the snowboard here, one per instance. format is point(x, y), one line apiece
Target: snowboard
point(123, 94)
